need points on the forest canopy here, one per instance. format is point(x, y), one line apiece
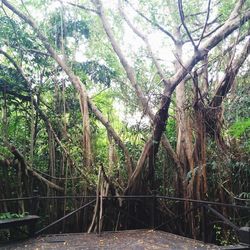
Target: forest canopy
point(151, 95)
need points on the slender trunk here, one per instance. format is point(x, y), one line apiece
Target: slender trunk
point(4, 114)
point(86, 130)
point(20, 188)
point(112, 155)
point(51, 148)
point(32, 130)
point(97, 206)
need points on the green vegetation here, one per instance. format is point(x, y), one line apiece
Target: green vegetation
point(8, 215)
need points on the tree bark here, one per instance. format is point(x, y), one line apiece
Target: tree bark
point(86, 130)
point(32, 172)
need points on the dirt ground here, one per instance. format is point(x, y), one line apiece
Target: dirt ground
point(133, 239)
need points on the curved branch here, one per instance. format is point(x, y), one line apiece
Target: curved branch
point(233, 23)
point(165, 141)
point(31, 171)
point(145, 40)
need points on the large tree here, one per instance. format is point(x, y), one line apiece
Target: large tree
point(162, 60)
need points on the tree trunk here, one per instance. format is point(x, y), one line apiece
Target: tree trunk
point(86, 129)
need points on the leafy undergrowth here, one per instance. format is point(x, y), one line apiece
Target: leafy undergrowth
point(4, 216)
point(7, 234)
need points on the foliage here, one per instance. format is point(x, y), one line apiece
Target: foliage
point(224, 237)
point(97, 72)
point(225, 8)
point(8, 215)
point(240, 127)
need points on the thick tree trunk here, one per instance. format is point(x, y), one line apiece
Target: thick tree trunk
point(151, 147)
point(184, 147)
point(200, 153)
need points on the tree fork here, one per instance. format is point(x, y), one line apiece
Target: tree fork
point(234, 21)
point(132, 78)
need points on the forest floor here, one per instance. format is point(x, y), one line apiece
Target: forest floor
point(132, 239)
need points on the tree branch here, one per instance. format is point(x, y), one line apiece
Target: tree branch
point(184, 24)
point(31, 171)
point(152, 23)
point(165, 141)
point(206, 22)
point(128, 69)
point(83, 7)
point(225, 30)
point(145, 40)
point(229, 77)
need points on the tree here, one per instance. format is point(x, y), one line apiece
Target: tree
point(208, 41)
